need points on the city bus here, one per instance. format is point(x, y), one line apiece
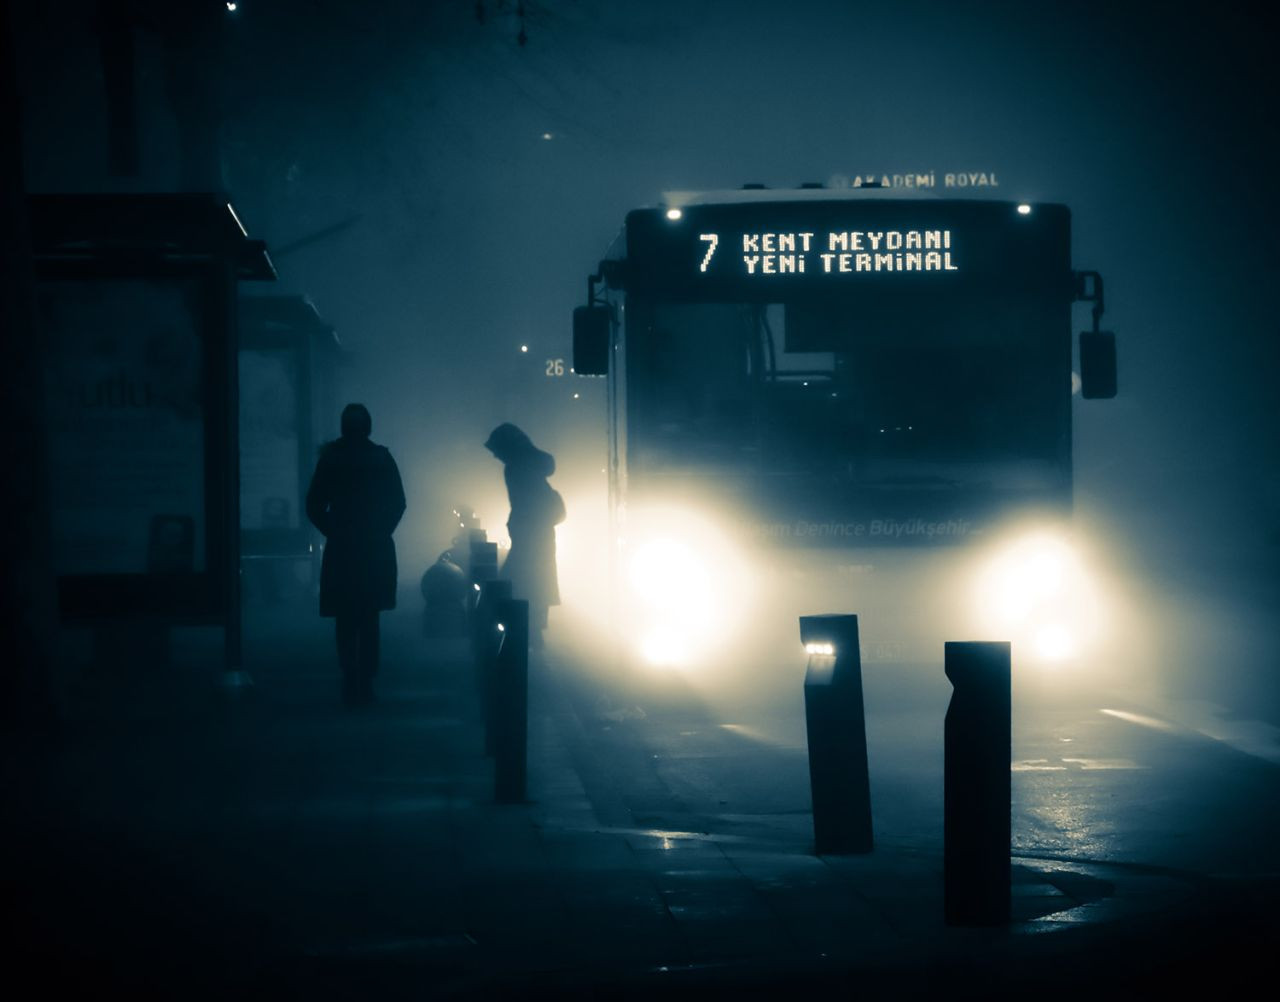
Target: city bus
point(844, 400)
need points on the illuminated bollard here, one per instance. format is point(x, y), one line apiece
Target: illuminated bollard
point(837, 733)
point(976, 785)
point(485, 640)
point(482, 563)
point(511, 702)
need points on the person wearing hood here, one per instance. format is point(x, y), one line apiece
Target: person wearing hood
point(536, 510)
point(356, 500)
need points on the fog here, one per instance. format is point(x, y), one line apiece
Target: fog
point(474, 170)
point(263, 759)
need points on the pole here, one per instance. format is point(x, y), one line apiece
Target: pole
point(511, 703)
point(835, 719)
point(977, 827)
point(485, 644)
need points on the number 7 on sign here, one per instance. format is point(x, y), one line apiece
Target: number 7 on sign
point(713, 241)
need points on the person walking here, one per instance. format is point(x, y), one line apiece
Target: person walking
point(536, 510)
point(356, 500)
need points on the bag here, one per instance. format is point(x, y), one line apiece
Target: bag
point(555, 506)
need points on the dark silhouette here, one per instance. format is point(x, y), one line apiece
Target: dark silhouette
point(536, 510)
point(977, 824)
point(445, 592)
point(356, 500)
point(836, 726)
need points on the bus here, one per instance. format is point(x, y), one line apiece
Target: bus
point(844, 400)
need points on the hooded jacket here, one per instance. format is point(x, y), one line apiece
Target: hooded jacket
point(536, 509)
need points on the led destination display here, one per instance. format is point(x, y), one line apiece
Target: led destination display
point(842, 252)
point(753, 251)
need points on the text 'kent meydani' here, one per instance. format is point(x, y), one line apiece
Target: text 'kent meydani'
point(839, 252)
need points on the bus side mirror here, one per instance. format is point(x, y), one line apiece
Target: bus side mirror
point(1097, 365)
point(591, 340)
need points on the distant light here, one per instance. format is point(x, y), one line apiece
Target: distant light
point(231, 6)
point(476, 587)
point(1024, 209)
point(524, 347)
point(501, 628)
point(805, 383)
point(674, 214)
point(548, 136)
point(576, 396)
point(827, 649)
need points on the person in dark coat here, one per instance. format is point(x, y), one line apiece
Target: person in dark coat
point(356, 500)
point(536, 510)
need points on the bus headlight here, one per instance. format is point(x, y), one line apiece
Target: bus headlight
point(668, 576)
point(684, 588)
point(671, 594)
point(1037, 594)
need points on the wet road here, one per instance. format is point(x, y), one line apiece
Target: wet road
point(1095, 777)
point(284, 845)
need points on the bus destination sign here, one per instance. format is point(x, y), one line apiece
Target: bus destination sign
point(834, 252)
point(759, 251)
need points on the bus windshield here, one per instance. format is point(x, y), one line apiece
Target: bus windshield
point(944, 392)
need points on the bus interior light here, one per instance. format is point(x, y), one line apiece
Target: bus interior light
point(673, 214)
point(1024, 209)
point(825, 649)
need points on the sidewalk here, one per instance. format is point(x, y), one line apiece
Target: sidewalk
point(280, 845)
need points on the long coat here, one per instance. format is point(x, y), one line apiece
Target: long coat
point(356, 500)
point(536, 509)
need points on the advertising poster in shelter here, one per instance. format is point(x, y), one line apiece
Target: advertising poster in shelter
point(124, 395)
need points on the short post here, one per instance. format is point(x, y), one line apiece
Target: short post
point(511, 702)
point(977, 827)
point(485, 641)
point(837, 731)
point(480, 570)
point(482, 556)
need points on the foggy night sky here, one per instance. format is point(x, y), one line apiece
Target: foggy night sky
point(474, 234)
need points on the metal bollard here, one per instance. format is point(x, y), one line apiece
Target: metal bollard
point(511, 703)
point(482, 556)
point(837, 731)
point(485, 640)
point(977, 826)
